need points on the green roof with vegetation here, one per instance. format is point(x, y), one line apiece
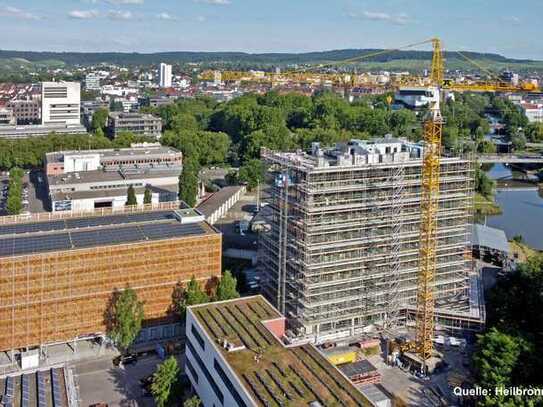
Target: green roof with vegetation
point(274, 374)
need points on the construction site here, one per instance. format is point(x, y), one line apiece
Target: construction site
point(61, 271)
point(343, 251)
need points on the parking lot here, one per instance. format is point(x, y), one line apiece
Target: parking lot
point(34, 195)
point(98, 380)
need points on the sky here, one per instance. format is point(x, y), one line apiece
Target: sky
point(513, 29)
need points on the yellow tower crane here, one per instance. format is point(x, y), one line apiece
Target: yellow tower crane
point(433, 126)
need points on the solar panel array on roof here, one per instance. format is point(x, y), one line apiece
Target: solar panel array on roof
point(32, 227)
point(42, 390)
point(34, 244)
point(25, 396)
point(57, 395)
point(119, 219)
point(76, 223)
point(18, 245)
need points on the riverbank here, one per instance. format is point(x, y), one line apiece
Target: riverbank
point(486, 206)
point(520, 251)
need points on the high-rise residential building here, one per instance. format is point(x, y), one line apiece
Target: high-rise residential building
point(92, 81)
point(61, 103)
point(165, 75)
point(342, 252)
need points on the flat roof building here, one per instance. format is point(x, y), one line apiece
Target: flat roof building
point(137, 123)
point(60, 272)
point(236, 356)
point(85, 180)
point(25, 111)
point(61, 103)
point(342, 252)
point(38, 130)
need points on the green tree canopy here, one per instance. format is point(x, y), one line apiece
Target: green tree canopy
point(99, 119)
point(124, 319)
point(194, 401)
point(188, 181)
point(184, 297)
point(164, 379)
point(147, 196)
point(131, 199)
point(483, 184)
point(226, 289)
point(252, 172)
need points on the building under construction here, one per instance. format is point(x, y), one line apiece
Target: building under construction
point(342, 253)
point(58, 273)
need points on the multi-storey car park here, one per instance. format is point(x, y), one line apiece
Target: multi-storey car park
point(59, 273)
point(343, 250)
point(235, 356)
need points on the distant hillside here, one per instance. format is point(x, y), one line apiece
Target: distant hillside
point(76, 58)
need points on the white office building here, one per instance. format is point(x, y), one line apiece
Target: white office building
point(92, 82)
point(88, 180)
point(165, 76)
point(61, 103)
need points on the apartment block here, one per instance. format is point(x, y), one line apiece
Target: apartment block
point(137, 123)
point(342, 252)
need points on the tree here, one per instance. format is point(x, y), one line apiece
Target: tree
point(14, 203)
point(226, 289)
point(188, 181)
point(185, 297)
point(131, 199)
point(483, 184)
point(124, 318)
point(194, 401)
point(163, 380)
point(252, 172)
point(99, 119)
point(147, 196)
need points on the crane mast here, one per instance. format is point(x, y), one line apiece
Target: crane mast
point(429, 208)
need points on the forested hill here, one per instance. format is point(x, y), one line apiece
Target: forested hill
point(86, 58)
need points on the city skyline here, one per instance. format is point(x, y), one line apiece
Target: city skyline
point(241, 25)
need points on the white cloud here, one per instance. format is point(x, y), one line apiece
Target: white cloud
point(83, 14)
point(399, 19)
point(117, 2)
point(166, 16)
point(215, 2)
point(14, 12)
point(512, 19)
point(120, 15)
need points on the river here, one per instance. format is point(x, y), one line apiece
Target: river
point(522, 210)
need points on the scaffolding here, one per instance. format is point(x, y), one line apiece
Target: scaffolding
point(342, 252)
point(56, 297)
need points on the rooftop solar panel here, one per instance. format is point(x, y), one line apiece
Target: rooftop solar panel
point(20, 244)
point(32, 227)
point(13, 246)
point(75, 223)
point(106, 236)
point(165, 230)
point(118, 219)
